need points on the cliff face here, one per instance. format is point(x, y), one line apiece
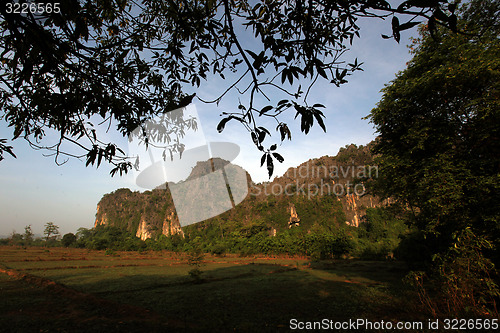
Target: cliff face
point(171, 226)
point(327, 191)
point(343, 176)
point(144, 214)
point(151, 213)
point(101, 218)
point(143, 231)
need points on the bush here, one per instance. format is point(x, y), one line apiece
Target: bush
point(460, 282)
point(110, 252)
point(218, 249)
point(195, 259)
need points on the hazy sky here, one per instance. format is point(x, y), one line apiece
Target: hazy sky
point(34, 190)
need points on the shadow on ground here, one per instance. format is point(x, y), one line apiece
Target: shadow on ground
point(243, 298)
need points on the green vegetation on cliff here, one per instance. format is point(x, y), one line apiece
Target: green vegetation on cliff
point(327, 194)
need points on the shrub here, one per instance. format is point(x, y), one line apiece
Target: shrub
point(110, 252)
point(195, 260)
point(460, 282)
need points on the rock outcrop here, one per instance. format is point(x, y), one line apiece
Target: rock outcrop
point(101, 219)
point(143, 231)
point(171, 226)
point(294, 217)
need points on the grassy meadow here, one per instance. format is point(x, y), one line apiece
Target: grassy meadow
point(71, 290)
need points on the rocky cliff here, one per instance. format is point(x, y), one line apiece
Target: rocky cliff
point(326, 191)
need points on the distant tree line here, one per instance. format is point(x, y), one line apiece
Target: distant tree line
point(377, 237)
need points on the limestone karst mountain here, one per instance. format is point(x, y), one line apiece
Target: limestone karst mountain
point(326, 191)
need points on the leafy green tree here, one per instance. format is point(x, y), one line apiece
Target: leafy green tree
point(82, 233)
point(68, 239)
point(122, 62)
point(51, 232)
point(82, 237)
point(438, 124)
point(108, 237)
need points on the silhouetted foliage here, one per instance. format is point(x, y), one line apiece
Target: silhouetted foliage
point(120, 63)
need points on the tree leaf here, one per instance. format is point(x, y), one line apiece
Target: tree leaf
point(278, 157)
point(255, 138)
point(263, 159)
point(319, 119)
point(405, 5)
point(136, 164)
point(408, 25)
point(91, 156)
point(265, 109)
point(262, 136)
point(270, 165)
point(395, 29)
point(222, 124)
point(99, 157)
point(264, 129)
point(395, 23)
point(252, 54)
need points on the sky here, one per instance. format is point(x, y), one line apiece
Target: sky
point(34, 190)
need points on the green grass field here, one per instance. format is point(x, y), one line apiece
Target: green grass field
point(71, 290)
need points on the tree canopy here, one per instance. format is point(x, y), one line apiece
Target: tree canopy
point(439, 130)
point(51, 231)
point(122, 62)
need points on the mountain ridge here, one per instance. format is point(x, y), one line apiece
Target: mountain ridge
point(326, 191)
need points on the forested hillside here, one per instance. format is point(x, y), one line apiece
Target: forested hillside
point(322, 201)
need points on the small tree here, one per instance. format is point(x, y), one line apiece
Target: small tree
point(51, 231)
point(195, 259)
point(28, 235)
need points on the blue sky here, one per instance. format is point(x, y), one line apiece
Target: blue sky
point(34, 190)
